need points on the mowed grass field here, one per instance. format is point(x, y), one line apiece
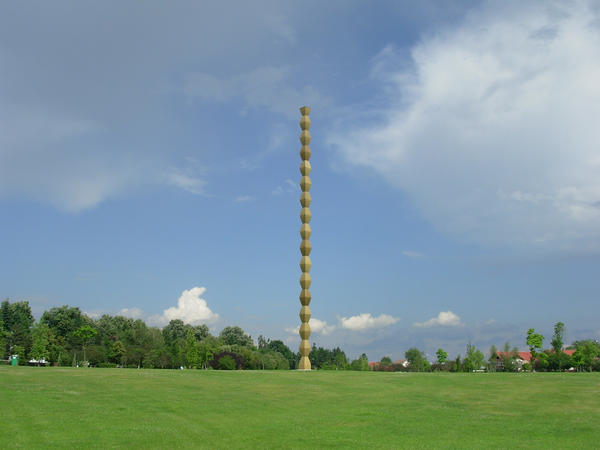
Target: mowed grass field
point(128, 408)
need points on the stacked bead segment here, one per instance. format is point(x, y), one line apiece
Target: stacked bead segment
point(305, 246)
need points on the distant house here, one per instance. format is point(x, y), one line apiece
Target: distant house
point(520, 358)
point(375, 365)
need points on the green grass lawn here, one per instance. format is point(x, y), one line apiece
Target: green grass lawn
point(129, 408)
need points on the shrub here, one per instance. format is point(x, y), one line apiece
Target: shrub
point(226, 362)
point(107, 365)
point(238, 361)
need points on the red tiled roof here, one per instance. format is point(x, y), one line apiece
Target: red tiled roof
point(526, 356)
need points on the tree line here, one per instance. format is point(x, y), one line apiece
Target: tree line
point(64, 336)
point(581, 355)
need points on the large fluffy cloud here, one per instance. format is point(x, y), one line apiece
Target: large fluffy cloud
point(444, 318)
point(191, 308)
point(366, 321)
point(493, 129)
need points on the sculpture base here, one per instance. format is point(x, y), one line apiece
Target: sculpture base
point(304, 363)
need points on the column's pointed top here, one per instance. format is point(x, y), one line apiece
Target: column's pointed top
point(305, 110)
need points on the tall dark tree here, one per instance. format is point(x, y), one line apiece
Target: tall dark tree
point(17, 322)
point(557, 344)
point(279, 346)
point(492, 358)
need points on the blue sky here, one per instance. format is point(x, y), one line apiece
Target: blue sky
point(149, 166)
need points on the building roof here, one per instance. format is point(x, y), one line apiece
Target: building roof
point(526, 356)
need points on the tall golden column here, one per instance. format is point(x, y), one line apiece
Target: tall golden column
point(305, 246)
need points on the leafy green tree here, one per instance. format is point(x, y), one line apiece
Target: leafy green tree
point(319, 356)
point(558, 359)
point(586, 352)
point(493, 358)
point(3, 340)
point(20, 351)
point(386, 360)
point(201, 332)
point(474, 359)
point(268, 361)
point(174, 331)
point(41, 341)
point(534, 342)
point(206, 350)
point(238, 361)
point(457, 364)
point(442, 356)
point(191, 350)
point(226, 363)
point(17, 322)
point(558, 337)
point(5, 314)
point(271, 360)
point(85, 334)
point(63, 321)
point(278, 346)
point(339, 359)
point(262, 342)
point(361, 363)
point(117, 352)
point(235, 336)
point(509, 357)
point(417, 360)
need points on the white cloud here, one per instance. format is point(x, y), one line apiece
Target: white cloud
point(134, 313)
point(244, 198)
point(321, 327)
point(365, 321)
point(191, 308)
point(444, 318)
point(316, 326)
point(493, 130)
point(186, 180)
point(288, 187)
